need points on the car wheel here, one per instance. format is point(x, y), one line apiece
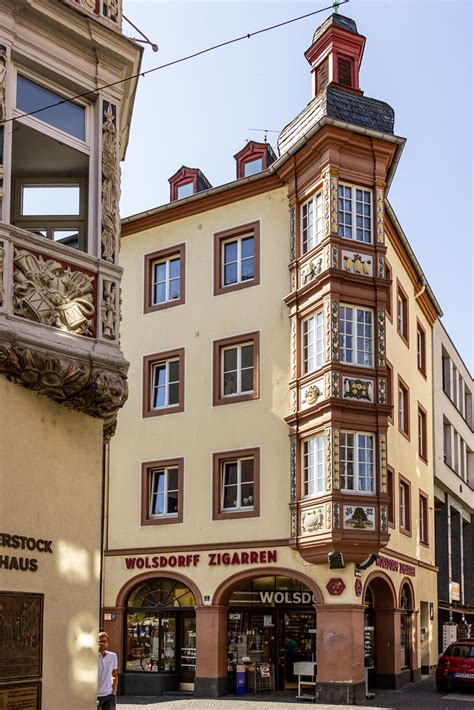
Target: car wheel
point(442, 685)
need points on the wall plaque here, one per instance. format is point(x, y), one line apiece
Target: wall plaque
point(21, 637)
point(26, 696)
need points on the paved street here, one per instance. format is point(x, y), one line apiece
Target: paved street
point(421, 695)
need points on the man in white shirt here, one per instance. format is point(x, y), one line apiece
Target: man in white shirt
point(108, 676)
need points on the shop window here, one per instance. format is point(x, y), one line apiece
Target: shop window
point(422, 434)
point(163, 383)
point(404, 505)
point(403, 408)
point(423, 518)
point(421, 348)
point(50, 165)
point(313, 466)
point(162, 492)
point(312, 332)
point(236, 369)
point(356, 336)
point(357, 462)
point(355, 213)
point(153, 614)
point(165, 278)
point(237, 258)
point(236, 484)
point(311, 222)
point(402, 313)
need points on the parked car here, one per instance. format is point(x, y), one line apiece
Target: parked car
point(456, 666)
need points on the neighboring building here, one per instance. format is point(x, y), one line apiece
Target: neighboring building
point(64, 376)
point(267, 501)
point(453, 388)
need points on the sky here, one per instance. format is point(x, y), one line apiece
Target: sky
point(418, 58)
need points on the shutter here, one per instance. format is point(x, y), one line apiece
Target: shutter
point(322, 76)
point(344, 71)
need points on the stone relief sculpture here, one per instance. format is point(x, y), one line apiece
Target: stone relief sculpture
point(381, 336)
point(311, 270)
point(110, 183)
point(311, 394)
point(2, 260)
point(47, 292)
point(3, 76)
point(357, 389)
point(109, 309)
point(379, 196)
point(312, 520)
point(357, 265)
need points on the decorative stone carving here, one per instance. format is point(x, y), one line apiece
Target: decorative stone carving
point(328, 515)
point(335, 385)
point(383, 463)
point(47, 292)
point(328, 442)
point(111, 9)
point(381, 336)
point(357, 389)
point(83, 386)
point(293, 471)
point(311, 270)
point(381, 269)
point(311, 394)
point(294, 524)
point(336, 520)
point(382, 390)
point(109, 309)
point(294, 400)
point(358, 587)
point(359, 517)
point(379, 198)
point(2, 260)
point(312, 520)
point(327, 320)
point(356, 264)
point(327, 203)
point(383, 517)
point(110, 183)
point(327, 384)
point(293, 348)
point(334, 200)
point(334, 330)
point(334, 257)
point(293, 280)
point(88, 4)
point(292, 233)
point(335, 459)
point(335, 586)
point(3, 76)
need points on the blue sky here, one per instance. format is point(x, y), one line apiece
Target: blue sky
point(418, 58)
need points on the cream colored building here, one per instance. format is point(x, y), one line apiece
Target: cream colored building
point(63, 373)
point(268, 500)
point(453, 388)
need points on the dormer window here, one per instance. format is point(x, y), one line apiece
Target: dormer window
point(184, 190)
point(253, 166)
point(254, 158)
point(186, 182)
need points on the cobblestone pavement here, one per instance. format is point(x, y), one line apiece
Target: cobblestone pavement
point(417, 696)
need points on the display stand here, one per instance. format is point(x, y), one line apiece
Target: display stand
point(306, 672)
point(261, 679)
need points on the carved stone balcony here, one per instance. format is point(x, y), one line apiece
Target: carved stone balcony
point(59, 318)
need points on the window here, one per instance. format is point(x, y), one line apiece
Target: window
point(236, 484)
point(52, 201)
point(423, 518)
point(391, 494)
point(357, 462)
point(402, 313)
point(355, 213)
point(165, 278)
point(313, 466)
point(421, 348)
point(162, 492)
point(403, 408)
point(422, 434)
point(356, 336)
point(237, 258)
point(313, 342)
point(388, 276)
point(311, 222)
point(253, 166)
point(163, 383)
point(405, 512)
point(447, 443)
point(236, 369)
point(185, 189)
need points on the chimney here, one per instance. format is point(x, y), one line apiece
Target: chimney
point(336, 54)
point(253, 158)
point(187, 181)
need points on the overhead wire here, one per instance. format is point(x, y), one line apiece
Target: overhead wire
point(172, 63)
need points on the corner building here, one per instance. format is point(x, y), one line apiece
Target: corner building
point(264, 486)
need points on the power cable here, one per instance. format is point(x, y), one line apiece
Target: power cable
point(172, 63)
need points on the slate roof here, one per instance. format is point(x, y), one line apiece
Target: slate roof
point(345, 23)
point(342, 105)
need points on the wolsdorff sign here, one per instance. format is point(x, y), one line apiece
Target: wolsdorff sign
point(214, 559)
point(395, 566)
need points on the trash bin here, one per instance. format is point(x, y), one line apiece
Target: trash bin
point(240, 680)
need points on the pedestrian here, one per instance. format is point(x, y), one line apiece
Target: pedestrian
point(108, 676)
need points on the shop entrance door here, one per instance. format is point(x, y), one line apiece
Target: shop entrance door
point(187, 647)
point(296, 642)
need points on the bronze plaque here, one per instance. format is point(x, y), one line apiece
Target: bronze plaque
point(21, 636)
point(26, 696)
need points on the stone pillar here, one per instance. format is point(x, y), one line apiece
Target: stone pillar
point(387, 647)
point(211, 651)
point(340, 653)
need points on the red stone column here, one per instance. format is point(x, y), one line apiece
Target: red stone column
point(387, 646)
point(211, 651)
point(340, 653)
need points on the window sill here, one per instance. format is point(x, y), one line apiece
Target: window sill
point(406, 532)
point(422, 373)
point(164, 410)
point(423, 458)
point(165, 520)
point(219, 290)
point(403, 337)
point(404, 433)
point(163, 306)
point(232, 515)
point(424, 544)
point(234, 399)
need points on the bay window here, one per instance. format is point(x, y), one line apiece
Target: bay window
point(357, 452)
point(313, 466)
point(355, 213)
point(356, 335)
point(311, 222)
point(313, 342)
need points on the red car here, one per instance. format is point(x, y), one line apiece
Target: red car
point(456, 665)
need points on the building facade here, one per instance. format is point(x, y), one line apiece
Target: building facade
point(279, 503)
point(63, 373)
point(454, 488)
